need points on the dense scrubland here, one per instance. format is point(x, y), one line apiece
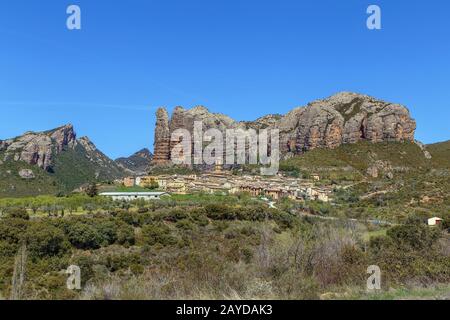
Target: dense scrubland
point(215, 247)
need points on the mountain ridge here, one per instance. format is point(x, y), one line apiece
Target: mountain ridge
point(340, 119)
point(138, 163)
point(56, 158)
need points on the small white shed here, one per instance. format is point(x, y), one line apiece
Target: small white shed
point(434, 221)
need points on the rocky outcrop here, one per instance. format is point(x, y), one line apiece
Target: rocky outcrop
point(3, 145)
point(26, 174)
point(378, 167)
point(39, 148)
point(422, 147)
point(42, 149)
point(162, 138)
point(138, 163)
point(344, 118)
point(341, 119)
point(64, 162)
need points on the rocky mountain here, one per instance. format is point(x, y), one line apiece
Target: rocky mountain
point(137, 163)
point(52, 158)
point(344, 118)
point(40, 148)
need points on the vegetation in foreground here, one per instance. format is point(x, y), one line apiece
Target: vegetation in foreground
point(213, 247)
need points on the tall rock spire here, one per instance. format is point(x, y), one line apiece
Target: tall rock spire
point(162, 138)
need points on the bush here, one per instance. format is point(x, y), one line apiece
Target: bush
point(199, 217)
point(129, 218)
point(44, 240)
point(108, 231)
point(83, 236)
point(157, 234)
point(218, 211)
point(125, 235)
point(18, 213)
point(415, 236)
point(12, 229)
point(184, 225)
point(176, 215)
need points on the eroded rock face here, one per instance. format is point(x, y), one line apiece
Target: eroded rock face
point(161, 154)
point(26, 174)
point(3, 145)
point(329, 123)
point(344, 118)
point(39, 148)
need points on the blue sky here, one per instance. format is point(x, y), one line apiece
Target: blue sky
point(244, 58)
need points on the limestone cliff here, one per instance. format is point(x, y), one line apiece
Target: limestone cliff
point(328, 123)
point(39, 148)
point(58, 152)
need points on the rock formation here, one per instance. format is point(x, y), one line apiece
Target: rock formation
point(161, 154)
point(43, 148)
point(344, 118)
point(340, 119)
point(26, 174)
point(39, 148)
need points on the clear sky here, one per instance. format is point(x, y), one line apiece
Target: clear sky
point(244, 58)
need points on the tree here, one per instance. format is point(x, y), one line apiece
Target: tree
point(84, 236)
point(92, 190)
point(153, 185)
point(45, 240)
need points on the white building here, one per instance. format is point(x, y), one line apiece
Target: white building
point(434, 221)
point(129, 196)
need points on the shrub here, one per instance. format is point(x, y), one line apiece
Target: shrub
point(18, 213)
point(108, 231)
point(143, 210)
point(125, 235)
point(44, 240)
point(158, 234)
point(184, 225)
point(416, 236)
point(199, 218)
point(12, 229)
point(84, 236)
point(176, 215)
point(218, 211)
point(129, 218)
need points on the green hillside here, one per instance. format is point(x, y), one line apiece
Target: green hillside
point(407, 184)
point(12, 185)
point(352, 160)
point(441, 154)
point(73, 167)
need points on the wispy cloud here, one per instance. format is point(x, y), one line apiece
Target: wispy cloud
point(53, 104)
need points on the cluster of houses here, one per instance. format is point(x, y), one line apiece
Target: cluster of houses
point(225, 182)
point(219, 181)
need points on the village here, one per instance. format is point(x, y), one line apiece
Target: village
point(225, 182)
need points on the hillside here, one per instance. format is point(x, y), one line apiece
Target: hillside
point(51, 162)
point(441, 153)
point(388, 180)
point(354, 160)
point(137, 163)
